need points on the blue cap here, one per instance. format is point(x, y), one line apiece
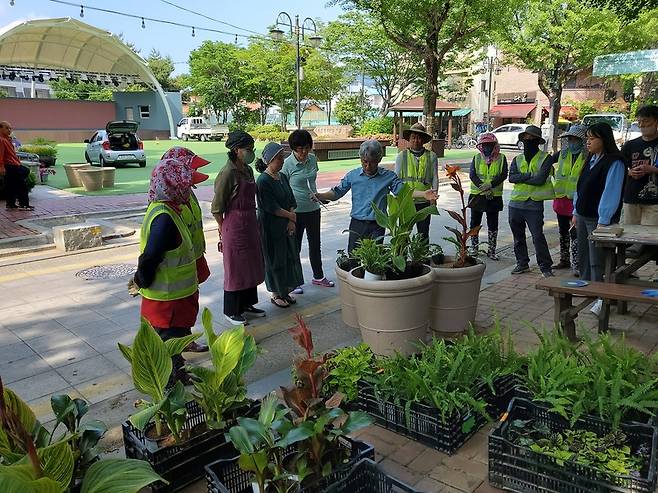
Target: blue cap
point(270, 151)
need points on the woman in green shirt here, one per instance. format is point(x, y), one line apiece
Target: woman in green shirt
point(277, 218)
point(301, 169)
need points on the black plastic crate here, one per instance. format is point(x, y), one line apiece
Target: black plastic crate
point(519, 469)
point(425, 424)
point(225, 476)
point(367, 477)
point(181, 464)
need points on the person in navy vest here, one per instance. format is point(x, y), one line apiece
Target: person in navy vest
point(598, 198)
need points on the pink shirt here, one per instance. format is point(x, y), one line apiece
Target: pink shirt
point(563, 206)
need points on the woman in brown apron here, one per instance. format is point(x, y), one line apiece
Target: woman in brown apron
point(234, 208)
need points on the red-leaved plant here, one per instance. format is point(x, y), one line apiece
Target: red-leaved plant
point(461, 235)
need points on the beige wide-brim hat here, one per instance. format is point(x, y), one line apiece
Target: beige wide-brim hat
point(417, 128)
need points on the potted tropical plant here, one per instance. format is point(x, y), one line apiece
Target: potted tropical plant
point(344, 264)
point(34, 460)
point(374, 257)
point(457, 279)
point(393, 313)
point(44, 148)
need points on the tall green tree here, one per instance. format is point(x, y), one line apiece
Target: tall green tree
point(162, 68)
point(557, 39)
point(87, 91)
point(361, 44)
point(323, 80)
point(432, 30)
point(216, 77)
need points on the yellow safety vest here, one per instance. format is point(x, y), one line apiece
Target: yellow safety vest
point(176, 276)
point(486, 173)
point(567, 174)
point(538, 193)
point(418, 173)
point(193, 218)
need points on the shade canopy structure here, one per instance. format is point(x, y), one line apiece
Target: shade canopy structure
point(414, 107)
point(67, 44)
point(632, 62)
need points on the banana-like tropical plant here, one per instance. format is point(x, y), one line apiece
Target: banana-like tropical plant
point(27, 465)
point(399, 221)
point(150, 359)
point(221, 388)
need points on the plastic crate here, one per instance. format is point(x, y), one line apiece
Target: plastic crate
point(225, 476)
point(425, 424)
point(367, 477)
point(519, 469)
point(181, 464)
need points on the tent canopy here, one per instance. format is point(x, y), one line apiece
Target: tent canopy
point(69, 44)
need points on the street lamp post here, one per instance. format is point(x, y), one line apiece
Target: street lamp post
point(490, 64)
point(297, 32)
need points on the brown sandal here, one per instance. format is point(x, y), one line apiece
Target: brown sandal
point(279, 301)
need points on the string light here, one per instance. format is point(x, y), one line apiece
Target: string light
point(82, 11)
point(236, 39)
point(193, 33)
point(11, 2)
point(143, 24)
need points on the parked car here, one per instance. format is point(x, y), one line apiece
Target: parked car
point(633, 131)
point(508, 135)
point(118, 144)
point(617, 121)
point(196, 127)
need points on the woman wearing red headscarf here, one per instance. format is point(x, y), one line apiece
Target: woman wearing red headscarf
point(488, 172)
point(167, 268)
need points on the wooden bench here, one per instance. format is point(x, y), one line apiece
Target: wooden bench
point(566, 312)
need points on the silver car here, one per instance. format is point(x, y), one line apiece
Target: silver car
point(118, 144)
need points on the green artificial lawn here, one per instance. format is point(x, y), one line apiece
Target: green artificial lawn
point(133, 179)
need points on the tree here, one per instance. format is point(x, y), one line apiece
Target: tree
point(323, 80)
point(88, 91)
point(351, 110)
point(215, 76)
point(431, 30)
point(361, 43)
point(560, 38)
point(626, 9)
point(162, 68)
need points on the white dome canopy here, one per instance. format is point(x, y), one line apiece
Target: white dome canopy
point(69, 44)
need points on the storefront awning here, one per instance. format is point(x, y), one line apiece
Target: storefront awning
point(567, 112)
point(512, 110)
point(462, 112)
point(633, 62)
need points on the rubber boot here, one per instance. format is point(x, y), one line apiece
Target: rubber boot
point(564, 253)
point(493, 240)
point(475, 246)
point(574, 256)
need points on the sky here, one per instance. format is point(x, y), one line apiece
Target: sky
point(254, 15)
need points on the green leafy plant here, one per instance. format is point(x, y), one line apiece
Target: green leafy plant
point(30, 461)
point(42, 141)
point(150, 359)
point(42, 150)
point(399, 220)
point(346, 367)
point(220, 390)
point(462, 234)
point(373, 256)
point(610, 454)
point(345, 261)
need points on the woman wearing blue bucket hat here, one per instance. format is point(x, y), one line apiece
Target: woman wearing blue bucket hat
point(277, 218)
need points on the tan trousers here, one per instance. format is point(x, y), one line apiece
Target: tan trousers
point(644, 214)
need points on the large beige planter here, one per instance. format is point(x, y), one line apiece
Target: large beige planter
point(92, 179)
point(393, 315)
point(455, 297)
point(347, 307)
point(72, 173)
point(108, 177)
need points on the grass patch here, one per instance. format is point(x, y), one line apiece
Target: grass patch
point(133, 179)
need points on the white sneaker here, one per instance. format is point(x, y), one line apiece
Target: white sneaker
point(596, 307)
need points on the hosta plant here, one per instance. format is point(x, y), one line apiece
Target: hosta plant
point(221, 389)
point(150, 359)
point(32, 461)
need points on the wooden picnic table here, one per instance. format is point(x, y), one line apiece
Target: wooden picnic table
point(616, 269)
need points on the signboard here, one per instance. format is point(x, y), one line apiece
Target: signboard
point(516, 97)
point(633, 62)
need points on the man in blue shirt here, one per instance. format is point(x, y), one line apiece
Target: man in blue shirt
point(369, 183)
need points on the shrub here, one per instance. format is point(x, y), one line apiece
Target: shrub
point(40, 149)
point(42, 141)
point(380, 125)
point(268, 132)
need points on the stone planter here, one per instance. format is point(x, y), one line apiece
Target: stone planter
point(92, 179)
point(393, 315)
point(71, 170)
point(455, 297)
point(347, 308)
point(108, 177)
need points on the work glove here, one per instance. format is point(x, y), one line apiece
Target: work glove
point(485, 187)
point(133, 288)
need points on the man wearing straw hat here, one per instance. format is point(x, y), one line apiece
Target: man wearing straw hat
point(418, 167)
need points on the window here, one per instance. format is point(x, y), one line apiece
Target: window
point(571, 83)
point(144, 111)
point(501, 129)
point(130, 112)
point(483, 85)
point(9, 90)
